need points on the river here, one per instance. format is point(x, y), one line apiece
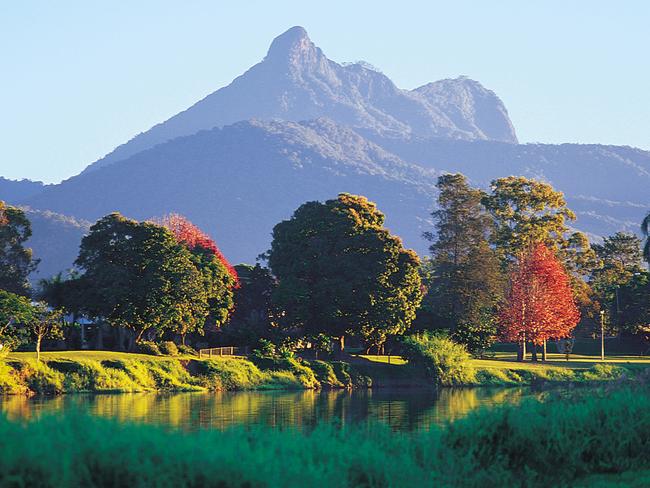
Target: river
point(401, 409)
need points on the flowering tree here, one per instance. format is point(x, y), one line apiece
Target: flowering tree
point(219, 276)
point(539, 304)
point(194, 238)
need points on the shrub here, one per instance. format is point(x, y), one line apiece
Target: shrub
point(42, 379)
point(445, 361)
point(187, 350)
point(477, 336)
point(169, 348)
point(148, 347)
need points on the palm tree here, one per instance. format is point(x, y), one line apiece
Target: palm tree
point(645, 228)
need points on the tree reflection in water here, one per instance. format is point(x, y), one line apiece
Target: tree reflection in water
point(401, 409)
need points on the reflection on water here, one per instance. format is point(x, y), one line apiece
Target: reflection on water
point(405, 409)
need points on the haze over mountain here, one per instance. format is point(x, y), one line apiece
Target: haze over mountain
point(298, 127)
point(239, 181)
point(296, 81)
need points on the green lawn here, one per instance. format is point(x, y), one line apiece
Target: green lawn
point(397, 360)
point(507, 360)
point(93, 355)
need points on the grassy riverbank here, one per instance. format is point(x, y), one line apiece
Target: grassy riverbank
point(574, 441)
point(105, 371)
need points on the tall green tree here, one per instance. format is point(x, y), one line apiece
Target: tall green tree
point(341, 272)
point(620, 257)
point(137, 276)
point(527, 212)
point(466, 281)
point(621, 260)
point(15, 259)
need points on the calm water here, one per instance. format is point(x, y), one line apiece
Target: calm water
point(404, 409)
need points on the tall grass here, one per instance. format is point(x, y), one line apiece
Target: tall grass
point(556, 443)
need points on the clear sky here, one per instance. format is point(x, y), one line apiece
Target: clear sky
point(78, 78)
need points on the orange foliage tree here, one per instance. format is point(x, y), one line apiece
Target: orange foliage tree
point(219, 276)
point(539, 304)
point(194, 238)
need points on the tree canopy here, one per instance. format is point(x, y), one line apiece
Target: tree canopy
point(341, 272)
point(15, 259)
point(466, 281)
point(137, 276)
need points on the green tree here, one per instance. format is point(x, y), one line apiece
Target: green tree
point(15, 310)
point(341, 272)
point(138, 277)
point(620, 258)
point(527, 212)
point(44, 324)
point(15, 259)
point(634, 304)
point(254, 316)
point(466, 280)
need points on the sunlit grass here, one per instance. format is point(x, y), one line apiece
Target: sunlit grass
point(92, 355)
point(397, 360)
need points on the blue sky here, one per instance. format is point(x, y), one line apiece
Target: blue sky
point(79, 78)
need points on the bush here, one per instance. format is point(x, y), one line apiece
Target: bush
point(187, 350)
point(168, 348)
point(477, 336)
point(148, 347)
point(445, 361)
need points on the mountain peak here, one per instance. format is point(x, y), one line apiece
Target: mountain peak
point(294, 43)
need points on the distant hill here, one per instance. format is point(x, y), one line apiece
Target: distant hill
point(239, 181)
point(55, 241)
point(17, 190)
point(296, 81)
point(607, 186)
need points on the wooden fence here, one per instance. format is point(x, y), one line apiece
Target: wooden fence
point(224, 351)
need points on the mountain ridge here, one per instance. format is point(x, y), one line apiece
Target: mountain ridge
point(296, 81)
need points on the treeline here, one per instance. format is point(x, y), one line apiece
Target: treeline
point(504, 264)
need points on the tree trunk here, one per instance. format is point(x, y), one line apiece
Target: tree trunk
point(183, 339)
point(521, 353)
point(534, 351)
point(341, 345)
point(38, 348)
point(544, 351)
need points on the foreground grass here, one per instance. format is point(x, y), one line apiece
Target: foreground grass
point(583, 441)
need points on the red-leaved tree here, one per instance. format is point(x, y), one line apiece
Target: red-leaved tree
point(193, 237)
point(539, 304)
point(219, 276)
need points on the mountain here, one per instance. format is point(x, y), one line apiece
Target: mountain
point(55, 241)
point(16, 190)
point(607, 186)
point(237, 182)
point(298, 127)
point(296, 81)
